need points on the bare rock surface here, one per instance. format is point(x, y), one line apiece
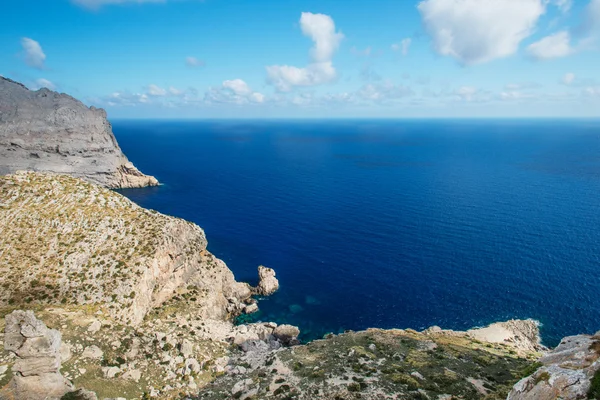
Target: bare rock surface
point(267, 284)
point(565, 373)
point(48, 131)
point(37, 366)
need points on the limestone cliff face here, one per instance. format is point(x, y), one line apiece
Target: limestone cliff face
point(48, 131)
point(571, 371)
point(67, 242)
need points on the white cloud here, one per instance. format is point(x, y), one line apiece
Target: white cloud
point(478, 31)
point(403, 46)
point(522, 86)
point(383, 92)
point(238, 87)
point(194, 62)
point(126, 99)
point(563, 5)
point(593, 91)
point(45, 83)
point(285, 77)
point(569, 78)
point(516, 95)
point(234, 91)
point(467, 93)
point(321, 29)
point(154, 90)
point(95, 4)
point(257, 97)
point(361, 53)
point(553, 46)
point(34, 55)
point(175, 92)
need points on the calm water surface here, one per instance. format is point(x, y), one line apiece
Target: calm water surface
point(391, 223)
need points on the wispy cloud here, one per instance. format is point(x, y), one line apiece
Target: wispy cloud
point(403, 46)
point(96, 4)
point(34, 55)
point(193, 62)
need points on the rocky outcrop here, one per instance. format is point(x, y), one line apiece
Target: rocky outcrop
point(48, 131)
point(67, 242)
point(267, 284)
point(37, 367)
point(374, 364)
point(567, 372)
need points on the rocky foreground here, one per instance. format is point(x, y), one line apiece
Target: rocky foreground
point(127, 303)
point(48, 131)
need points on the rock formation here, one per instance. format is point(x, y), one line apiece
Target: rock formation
point(566, 373)
point(374, 364)
point(37, 367)
point(47, 131)
point(267, 284)
point(67, 242)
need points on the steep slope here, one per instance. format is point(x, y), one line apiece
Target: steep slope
point(65, 241)
point(48, 131)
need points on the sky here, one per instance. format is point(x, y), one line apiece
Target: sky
point(310, 58)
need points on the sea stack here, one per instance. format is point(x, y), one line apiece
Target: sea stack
point(48, 131)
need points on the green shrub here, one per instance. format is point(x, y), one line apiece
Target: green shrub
point(594, 392)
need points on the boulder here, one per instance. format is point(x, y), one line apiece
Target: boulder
point(267, 283)
point(37, 367)
point(287, 334)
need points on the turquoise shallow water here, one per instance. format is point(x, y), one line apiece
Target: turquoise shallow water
point(391, 223)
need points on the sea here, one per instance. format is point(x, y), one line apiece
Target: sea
point(391, 223)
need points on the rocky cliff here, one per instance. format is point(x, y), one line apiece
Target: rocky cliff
point(146, 311)
point(47, 131)
point(68, 242)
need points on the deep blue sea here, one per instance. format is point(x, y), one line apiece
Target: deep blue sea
point(393, 223)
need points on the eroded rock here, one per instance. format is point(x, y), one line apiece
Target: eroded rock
point(48, 131)
point(37, 367)
point(267, 283)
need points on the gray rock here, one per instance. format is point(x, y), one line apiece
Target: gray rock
point(37, 366)
point(287, 334)
point(94, 352)
point(47, 131)
point(566, 373)
point(267, 284)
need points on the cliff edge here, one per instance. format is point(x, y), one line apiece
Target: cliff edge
point(48, 131)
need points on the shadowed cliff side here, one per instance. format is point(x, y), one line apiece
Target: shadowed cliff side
point(48, 131)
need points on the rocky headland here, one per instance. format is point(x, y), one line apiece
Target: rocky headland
point(130, 304)
point(48, 131)
point(103, 299)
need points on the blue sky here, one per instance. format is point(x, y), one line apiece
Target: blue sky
point(327, 58)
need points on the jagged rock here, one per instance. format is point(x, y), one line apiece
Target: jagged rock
point(187, 348)
point(287, 334)
point(37, 366)
point(110, 372)
point(566, 372)
point(48, 131)
point(251, 308)
point(267, 283)
point(65, 352)
point(94, 326)
point(133, 375)
point(93, 352)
